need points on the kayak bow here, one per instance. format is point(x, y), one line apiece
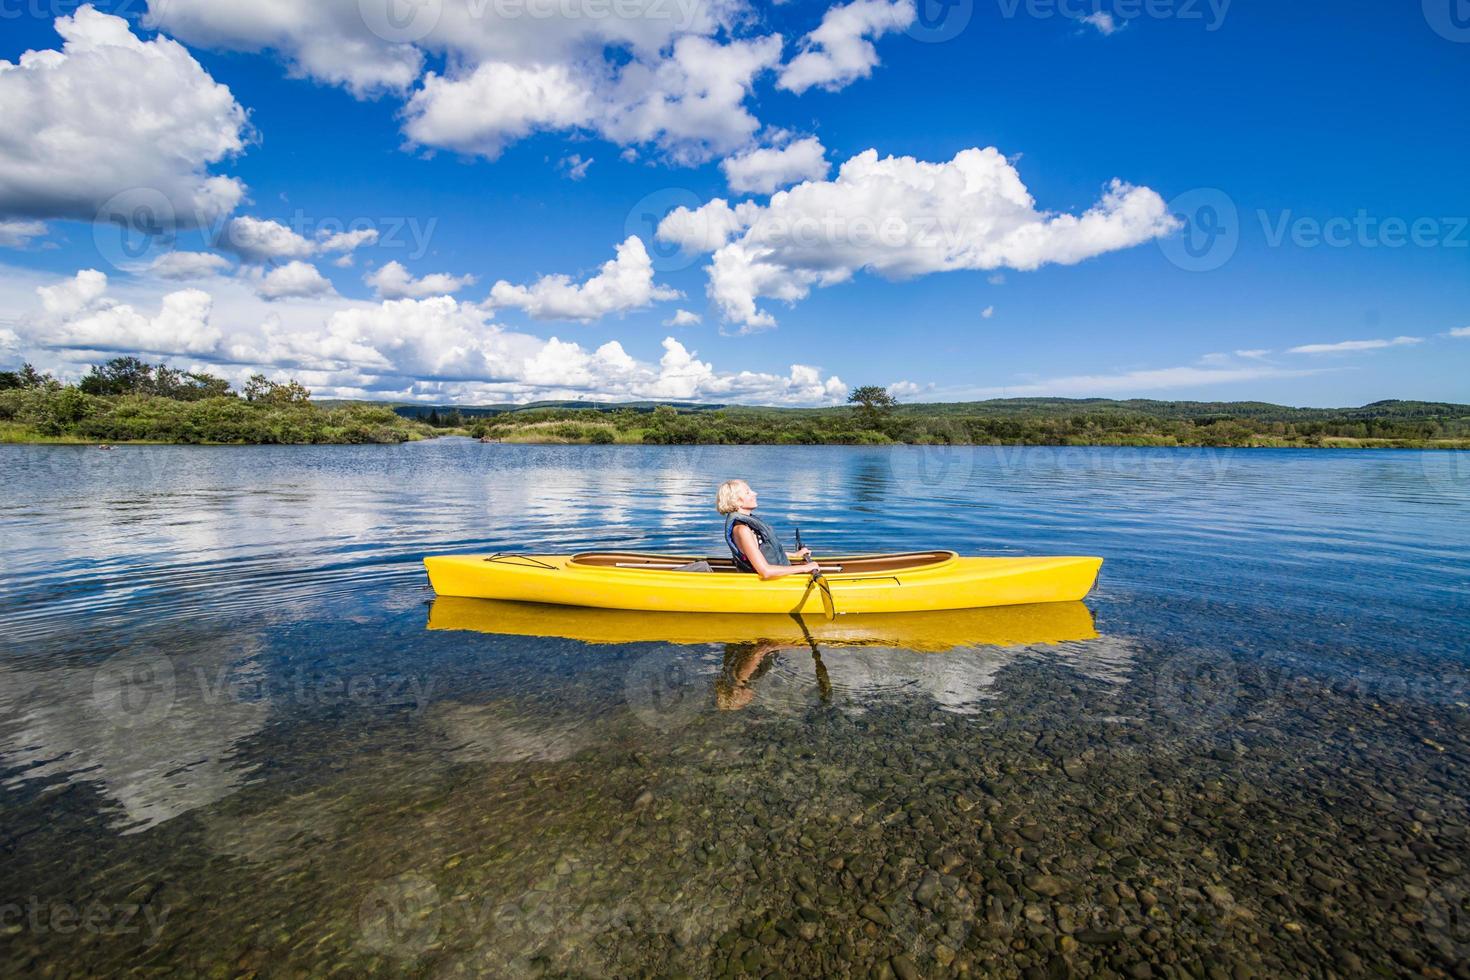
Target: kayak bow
point(914, 582)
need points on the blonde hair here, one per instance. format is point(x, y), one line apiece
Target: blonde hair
point(727, 500)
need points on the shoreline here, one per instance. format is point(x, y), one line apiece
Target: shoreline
point(1448, 445)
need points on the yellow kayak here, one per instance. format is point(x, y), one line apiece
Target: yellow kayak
point(914, 582)
point(924, 632)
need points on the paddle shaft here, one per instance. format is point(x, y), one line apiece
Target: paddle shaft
point(829, 605)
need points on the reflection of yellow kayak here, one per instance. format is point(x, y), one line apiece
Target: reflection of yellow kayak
point(917, 582)
point(1053, 622)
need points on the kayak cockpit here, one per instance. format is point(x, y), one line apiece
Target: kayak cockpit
point(837, 564)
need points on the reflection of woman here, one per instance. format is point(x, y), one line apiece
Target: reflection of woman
point(746, 663)
point(752, 541)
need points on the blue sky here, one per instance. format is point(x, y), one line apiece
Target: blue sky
point(1244, 134)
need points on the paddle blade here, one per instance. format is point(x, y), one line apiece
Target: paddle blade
point(829, 608)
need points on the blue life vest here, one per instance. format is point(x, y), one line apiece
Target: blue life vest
point(765, 539)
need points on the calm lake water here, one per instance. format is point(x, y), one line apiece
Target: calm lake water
point(231, 744)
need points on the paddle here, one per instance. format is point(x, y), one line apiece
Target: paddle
point(824, 683)
point(828, 606)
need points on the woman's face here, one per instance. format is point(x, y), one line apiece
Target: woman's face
point(747, 499)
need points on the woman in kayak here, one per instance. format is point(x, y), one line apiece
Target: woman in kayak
point(753, 543)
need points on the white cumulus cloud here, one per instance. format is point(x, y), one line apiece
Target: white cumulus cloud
point(672, 76)
point(496, 104)
point(79, 315)
point(393, 281)
point(260, 240)
point(623, 283)
point(329, 40)
point(436, 349)
point(841, 49)
point(347, 241)
point(112, 125)
point(263, 240)
point(900, 217)
point(188, 265)
point(295, 279)
point(692, 104)
point(684, 318)
point(706, 228)
point(768, 169)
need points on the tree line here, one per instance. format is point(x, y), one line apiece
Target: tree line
point(874, 417)
point(127, 399)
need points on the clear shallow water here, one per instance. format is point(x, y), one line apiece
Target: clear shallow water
point(228, 741)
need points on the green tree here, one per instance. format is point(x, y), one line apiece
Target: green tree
point(119, 376)
point(261, 389)
point(27, 378)
point(874, 403)
point(201, 385)
point(131, 376)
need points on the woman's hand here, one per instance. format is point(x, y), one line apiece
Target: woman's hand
point(810, 567)
point(802, 553)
